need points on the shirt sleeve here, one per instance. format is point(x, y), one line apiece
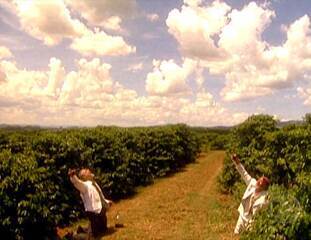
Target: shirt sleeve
point(244, 174)
point(80, 185)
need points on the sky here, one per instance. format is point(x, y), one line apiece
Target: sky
point(152, 62)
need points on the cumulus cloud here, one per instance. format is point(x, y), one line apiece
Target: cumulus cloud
point(90, 81)
point(237, 90)
point(229, 45)
point(305, 93)
point(261, 69)
point(195, 27)
point(100, 13)
point(90, 86)
point(56, 77)
point(20, 83)
point(49, 21)
point(239, 34)
point(5, 52)
point(113, 23)
point(298, 46)
point(100, 43)
point(205, 108)
point(193, 3)
point(204, 99)
point(167, 78)
point(2, 76)
point(89, 96)
point(55, 97)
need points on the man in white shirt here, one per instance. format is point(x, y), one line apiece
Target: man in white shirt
point(254, 197)
point(94, 201)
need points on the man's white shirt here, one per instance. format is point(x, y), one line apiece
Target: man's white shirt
point(89, 194)
point(250, 203)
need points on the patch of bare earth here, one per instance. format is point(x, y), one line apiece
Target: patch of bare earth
point(186, 205)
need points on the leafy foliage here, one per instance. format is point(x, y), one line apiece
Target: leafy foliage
point(284, 218)
point(284, 155)
point(212, 138)
point(35, 193)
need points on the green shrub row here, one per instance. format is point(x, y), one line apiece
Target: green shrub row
point(35, 193)
point(212, 138)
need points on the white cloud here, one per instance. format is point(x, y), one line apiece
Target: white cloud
point(89, 96)
point(260, 70)
point(99, 43)
point(237, 89)
point(20, 83)
point(100, 13)
point(90, 86)
point(5, 52)
point(233, 47)
point(153, 17)
point(167, 78)
point(199, 78)
point(113, 23)
point(195, 27)
point(193, 3)
point(55, 97)
point(204, 99)
point(2, 75)
point(206, 109)
point(298, 46)
point(49, 20)
point(305, 93)
point(240, 34)
point(90, 83)
point(56, 77)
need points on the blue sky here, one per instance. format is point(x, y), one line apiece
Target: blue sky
point(138, 62)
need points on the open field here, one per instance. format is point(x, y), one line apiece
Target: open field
point(186, 205)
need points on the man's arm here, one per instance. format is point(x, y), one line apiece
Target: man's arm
point(77, 183)
point(244, 174)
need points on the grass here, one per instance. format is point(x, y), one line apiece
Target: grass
point(184, 206)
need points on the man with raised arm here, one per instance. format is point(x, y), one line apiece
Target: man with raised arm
point(254, 197)
point(94, 201)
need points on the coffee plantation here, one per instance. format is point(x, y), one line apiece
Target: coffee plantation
point(35, 193)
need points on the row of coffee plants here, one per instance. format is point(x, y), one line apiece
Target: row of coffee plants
point(212, 138)
point(284, 155)
point(35, 192)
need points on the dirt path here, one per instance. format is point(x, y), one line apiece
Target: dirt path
point(183, 206)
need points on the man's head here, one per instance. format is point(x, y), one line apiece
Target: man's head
point(262, 184)
point(86, 174)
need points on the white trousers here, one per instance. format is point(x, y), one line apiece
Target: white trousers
point(240, 225)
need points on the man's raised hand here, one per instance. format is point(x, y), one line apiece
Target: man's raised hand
point(71, 172)
point(109, 202)
point(235, 158)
